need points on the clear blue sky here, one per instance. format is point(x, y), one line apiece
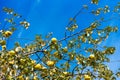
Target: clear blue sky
point(53, 15)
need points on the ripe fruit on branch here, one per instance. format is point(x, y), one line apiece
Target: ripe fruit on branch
point(87, 77)
point(22, 61)
point(11, 62)
point(3, 47)
point(33, 62)
point(92, 56)
point(20, 77)
point(54, 40)
point(38, 66)
point(18, 49)
point(12, 52)
point(50, 63)
point(65, 50)
point(2, 42)
point(35, 78)
point(7, 33)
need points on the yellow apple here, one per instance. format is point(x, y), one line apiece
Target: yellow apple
point(3, 47)
point(11, 62)
point(20, 78)
point(33, 62)
point(22, 61)
point(7, 33)
point(12, 52)
point(2, 42)
point(56, 53)
point(87, 77)
point(65, 73)
point(27, 78)
point(9, 77)
point(18, 49)
point(50, 63)
point(92, 56)
point(65, 50)
point(35, 78)
point(54, 40)
point(38, 66)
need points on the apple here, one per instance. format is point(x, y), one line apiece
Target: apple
point(35, 78)
point(27, 78)
point(20, 78)
point(65, 50)
point(87, 77)
point(54, 40)
point(92, 56)
point(2, 42)
point(22, 61)
point(7, 33)
point(12, 52)
point(65, 73)
point(38, 66)
point(33, 62)
point(11, 62)
point(50, 63)
point(3, 47)
point(18, 49)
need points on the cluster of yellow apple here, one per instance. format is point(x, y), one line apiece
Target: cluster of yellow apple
point(3, 42)
point(13, 52)
point(39, 66)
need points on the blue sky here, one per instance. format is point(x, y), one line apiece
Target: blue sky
point(53, 15)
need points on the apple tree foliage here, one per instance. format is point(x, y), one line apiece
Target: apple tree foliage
point(77, 56)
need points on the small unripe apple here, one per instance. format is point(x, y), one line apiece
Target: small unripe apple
point(65, 50)
point(22, 61)
point(87, 77)
point(18, 49)
point(27, 78)
point(65, 73)
point(4, 47)
point(2, 42)
point(20, 78)
point(7, 33)
point(33, 62)
point(50, 63)
point(35, 78)
point(11, 62)
point(54, 40)
point(12, 52)
point(92, 56)
point(38, 66)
